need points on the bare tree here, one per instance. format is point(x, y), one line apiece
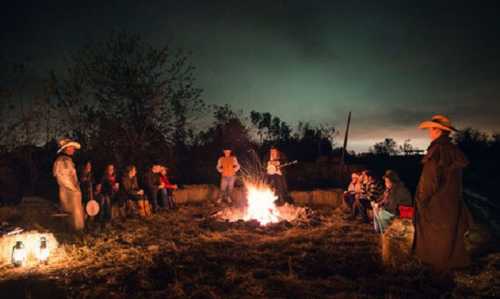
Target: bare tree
point(128, 94)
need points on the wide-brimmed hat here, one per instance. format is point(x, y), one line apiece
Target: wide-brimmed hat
point(64, 143)
point(438, 121)
point(392, 176)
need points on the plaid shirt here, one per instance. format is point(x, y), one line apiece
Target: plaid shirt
point(372, 191)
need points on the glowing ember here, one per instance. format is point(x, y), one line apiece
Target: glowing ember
point(261, 205)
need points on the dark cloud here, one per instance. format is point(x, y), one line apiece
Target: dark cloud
point(390, 62)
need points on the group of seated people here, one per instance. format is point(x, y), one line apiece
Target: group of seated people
point(121, 197)
point(384, 196)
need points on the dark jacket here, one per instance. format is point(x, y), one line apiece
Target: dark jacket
point(129, 188)
point(441, 218)
point(86, 185)
point(152, 181)
point(107, 184)
point(394, 197)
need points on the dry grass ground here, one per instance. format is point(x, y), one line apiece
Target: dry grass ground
point(187, 254)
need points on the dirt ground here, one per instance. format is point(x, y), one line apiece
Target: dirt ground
point(188, 254)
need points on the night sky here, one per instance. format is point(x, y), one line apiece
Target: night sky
point(391, 63)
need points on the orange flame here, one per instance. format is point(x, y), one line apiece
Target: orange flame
point(261, 207)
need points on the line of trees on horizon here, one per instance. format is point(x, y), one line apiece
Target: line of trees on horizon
point(127, 101)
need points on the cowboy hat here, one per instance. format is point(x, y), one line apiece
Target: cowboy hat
point(438, 121)
point(64, 143)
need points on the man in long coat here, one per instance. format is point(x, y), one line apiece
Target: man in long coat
point(441, 217)
point(70, 195)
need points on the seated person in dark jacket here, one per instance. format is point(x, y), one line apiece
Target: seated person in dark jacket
point(387, 207)
point(109, 188)
point(152, 185)
point(133, 194)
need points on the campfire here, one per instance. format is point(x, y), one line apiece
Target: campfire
point(260, 206)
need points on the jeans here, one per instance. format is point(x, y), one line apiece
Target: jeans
point(153, 199)
point(166, 199)
point(226, 185)
point(349, 200)
point(105, 202)
point(361, 206)
point(381, 219)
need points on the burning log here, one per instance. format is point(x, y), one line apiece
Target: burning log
point(261, 207)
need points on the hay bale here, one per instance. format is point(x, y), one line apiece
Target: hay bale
point(181, 196)
point(397, 242)
point(479, 240)
point(328, 197)
point(196, 193)
point(301, 197)
point(35, 213)
point(9, 214)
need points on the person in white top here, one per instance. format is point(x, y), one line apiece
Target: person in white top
point(70, 195)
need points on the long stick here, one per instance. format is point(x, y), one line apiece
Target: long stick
point(346, 137)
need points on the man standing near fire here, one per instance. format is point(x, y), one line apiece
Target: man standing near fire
point(441, 217)
point(227, 166)
point(70, 195)
point(276, 177)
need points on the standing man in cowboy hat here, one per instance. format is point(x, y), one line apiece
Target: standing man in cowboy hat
point(441, 217)
point(70, 195)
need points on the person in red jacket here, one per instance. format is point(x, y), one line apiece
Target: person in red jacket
point(167, 198)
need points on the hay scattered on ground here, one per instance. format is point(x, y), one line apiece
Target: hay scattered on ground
point(188, 253)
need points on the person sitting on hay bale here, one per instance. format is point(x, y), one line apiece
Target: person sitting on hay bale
point(152, 185)
point(353, 191)
point(109, 190)
point(441, 217)
point(133, 196)
point(387, 207)
point(70, 195)
point(166, 194)
point(371, 190)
